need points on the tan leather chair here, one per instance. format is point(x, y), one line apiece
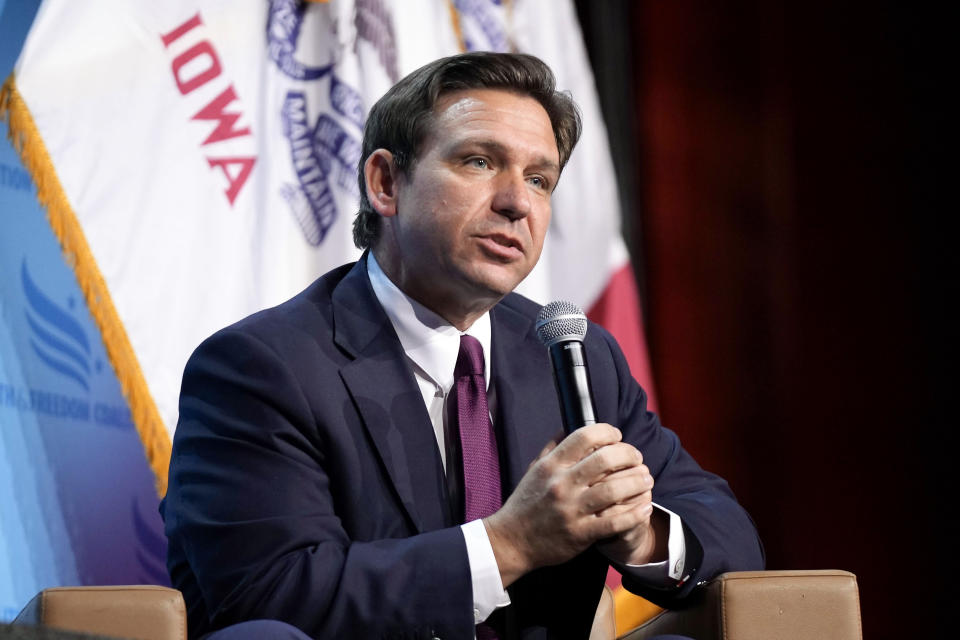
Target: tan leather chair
point(766, 605)
point(749, 605)
point(138, 612)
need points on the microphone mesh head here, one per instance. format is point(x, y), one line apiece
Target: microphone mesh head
point(559, 321)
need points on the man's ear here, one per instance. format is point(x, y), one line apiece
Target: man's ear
point(380, 175)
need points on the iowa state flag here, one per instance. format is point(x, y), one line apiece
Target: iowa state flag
point(198, 160)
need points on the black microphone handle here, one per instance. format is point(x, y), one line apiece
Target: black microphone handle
point(573, 384)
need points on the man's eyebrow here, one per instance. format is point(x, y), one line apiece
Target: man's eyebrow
point(543, 163)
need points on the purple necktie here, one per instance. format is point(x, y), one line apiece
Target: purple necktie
point(481, 463)
point(478, 444)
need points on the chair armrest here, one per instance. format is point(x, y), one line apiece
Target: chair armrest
point(604, 621)
point(141, 612)
point(760, 605)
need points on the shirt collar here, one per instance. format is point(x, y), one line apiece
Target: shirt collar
point(431, 342)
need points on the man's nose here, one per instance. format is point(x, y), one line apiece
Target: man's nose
point(512, 198)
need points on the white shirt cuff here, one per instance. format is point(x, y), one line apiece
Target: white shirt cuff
point(488, 592)
point(670, 571)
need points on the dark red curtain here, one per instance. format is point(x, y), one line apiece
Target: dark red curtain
point(787, 203)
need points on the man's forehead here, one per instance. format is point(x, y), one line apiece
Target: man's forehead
point(494, 107)
point(462, 101)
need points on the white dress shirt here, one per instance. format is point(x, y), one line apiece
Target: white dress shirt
point(432, 345)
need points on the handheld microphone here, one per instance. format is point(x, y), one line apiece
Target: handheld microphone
point(561, 326)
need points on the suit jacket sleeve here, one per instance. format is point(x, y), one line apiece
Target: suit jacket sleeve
point(266, 490)
point(720, 535)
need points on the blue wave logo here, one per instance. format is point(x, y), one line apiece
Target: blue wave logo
point(56, 337)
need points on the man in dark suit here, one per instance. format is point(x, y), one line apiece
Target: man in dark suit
point(323, 473)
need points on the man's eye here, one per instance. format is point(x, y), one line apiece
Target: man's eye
point(538, 182)
point(479, 163)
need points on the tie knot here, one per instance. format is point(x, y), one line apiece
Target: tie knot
point(470, 359)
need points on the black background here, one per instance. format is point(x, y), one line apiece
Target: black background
point(783, 170)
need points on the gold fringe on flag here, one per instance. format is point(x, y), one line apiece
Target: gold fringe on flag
point(25, 137)
point(455, 23)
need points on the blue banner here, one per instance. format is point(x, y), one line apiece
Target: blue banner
point(77, 498)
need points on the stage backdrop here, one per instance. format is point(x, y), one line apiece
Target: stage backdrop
point(196, 162)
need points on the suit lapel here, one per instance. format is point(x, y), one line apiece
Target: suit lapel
point(528, 412)
point(386, 395)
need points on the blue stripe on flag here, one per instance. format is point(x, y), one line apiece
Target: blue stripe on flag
point(57, 345)
point(16, 17)
point(59, 366)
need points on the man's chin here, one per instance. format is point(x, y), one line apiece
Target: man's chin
point(494, 287)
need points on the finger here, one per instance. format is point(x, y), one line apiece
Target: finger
point(584, 441)
point(608, 493)
point(625, 505)
point(637, 470)
point(550, 446)
point(606, 460)
point(621, 521)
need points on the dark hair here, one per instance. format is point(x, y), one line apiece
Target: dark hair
point(399, 121)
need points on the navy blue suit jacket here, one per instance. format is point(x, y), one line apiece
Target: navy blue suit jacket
point(306, 483)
